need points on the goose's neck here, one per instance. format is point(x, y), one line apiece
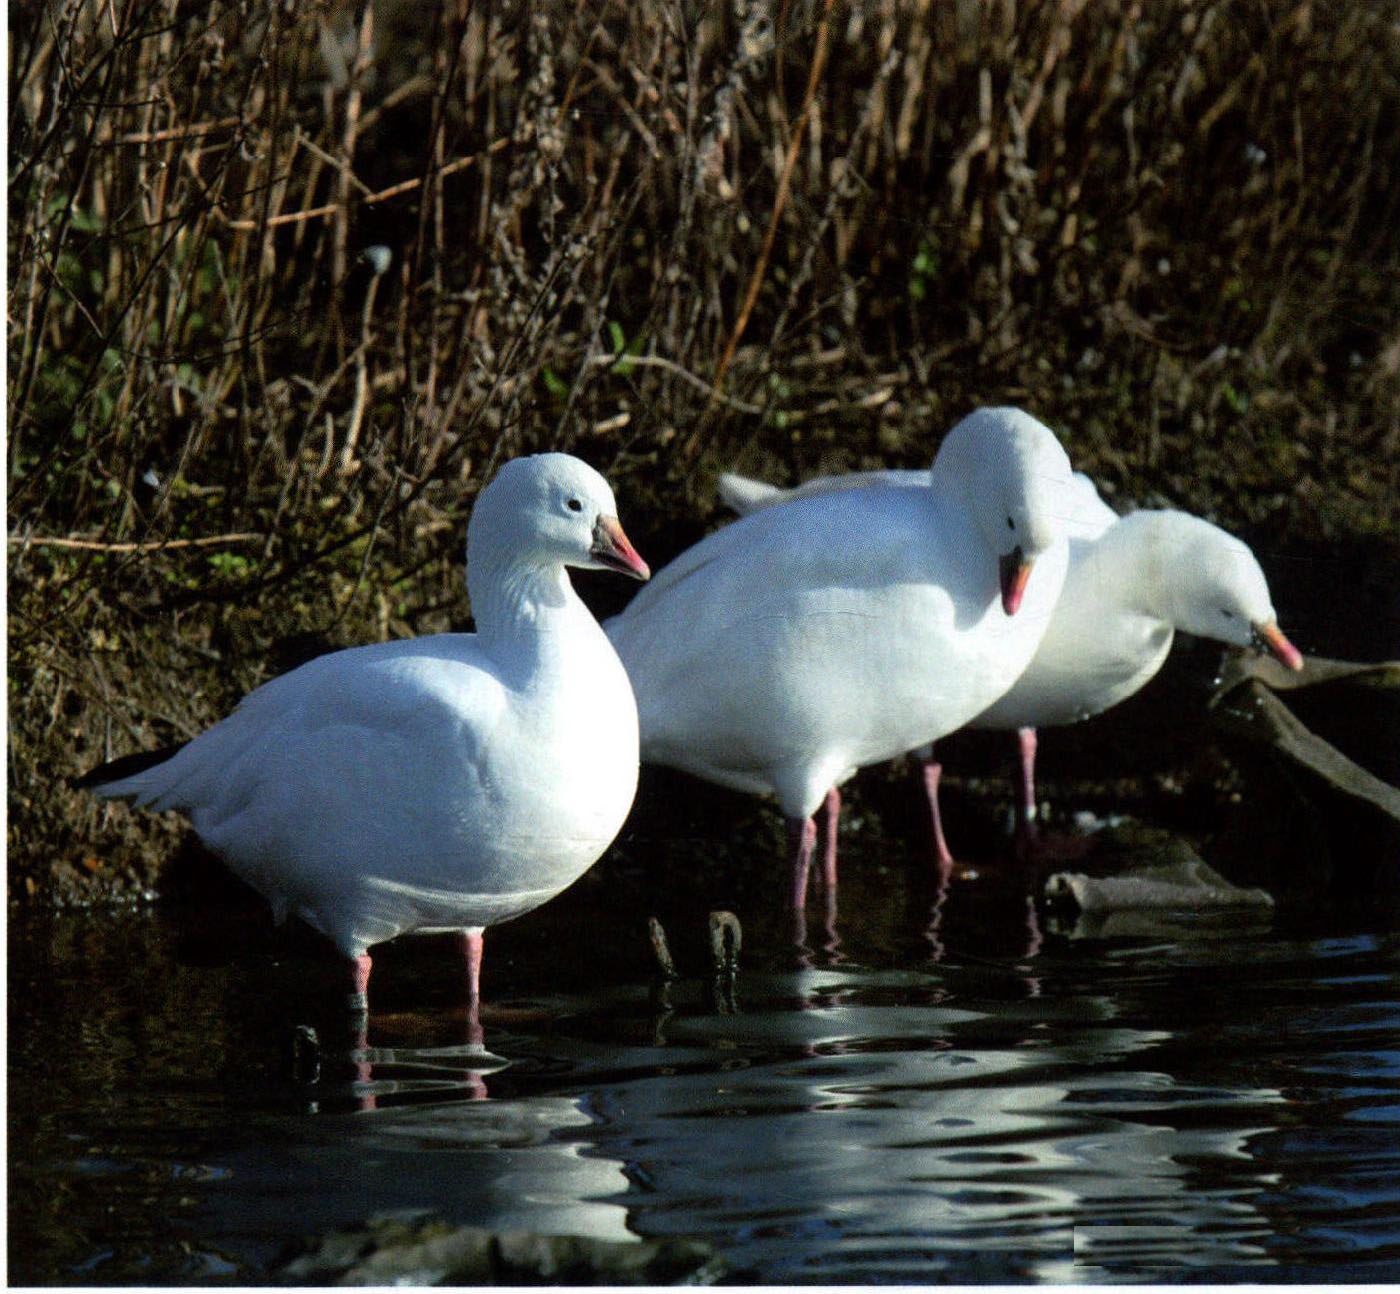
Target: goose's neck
point(1128, 560)
point(520, 607)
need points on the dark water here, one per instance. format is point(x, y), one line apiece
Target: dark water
point(954, 1089)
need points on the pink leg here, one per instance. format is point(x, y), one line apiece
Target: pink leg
point(364, 1068)
point(472, 947)
point(833, 819)
point(1033, 946)
point(934, 930)
point(360, 968)
point(802, 832)
point(1036, 940)
point(1027, 811)
point(359, 995)
point(933, 772)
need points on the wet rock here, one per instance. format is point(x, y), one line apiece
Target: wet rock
point(394, 1249)
point(726, 938)
point(662, 949)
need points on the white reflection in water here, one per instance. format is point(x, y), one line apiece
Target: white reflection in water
point(510, 1166)
point(890, 1134)
point(545, 1184)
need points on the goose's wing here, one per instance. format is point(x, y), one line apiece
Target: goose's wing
point(1087, 516)
point(833, 537)
point(745, 494)
point(424, 691)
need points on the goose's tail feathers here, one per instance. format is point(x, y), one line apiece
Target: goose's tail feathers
point(130, 776)
point(742, 494)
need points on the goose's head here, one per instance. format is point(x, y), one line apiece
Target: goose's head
point(554, 508)
point(1015, 478)
point(1214, 587)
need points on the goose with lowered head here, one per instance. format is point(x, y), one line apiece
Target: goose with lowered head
point(802, 642)
point(1132, 583)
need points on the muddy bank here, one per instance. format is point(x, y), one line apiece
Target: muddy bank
point(1164, 757)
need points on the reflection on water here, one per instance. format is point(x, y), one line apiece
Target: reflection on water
point(508, 1166)
point(949, 1094)
point(901, 1141)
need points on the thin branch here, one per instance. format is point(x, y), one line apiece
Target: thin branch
point(450, 168)
point(146, 546)
point(393, 191)
point(177, 132)
point(779, 201)
point(670, 366)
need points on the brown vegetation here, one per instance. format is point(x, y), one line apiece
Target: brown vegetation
point(669, 237)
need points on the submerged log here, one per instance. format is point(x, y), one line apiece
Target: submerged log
point(1245, 707)
point(1241, 667)
point(1187, 883)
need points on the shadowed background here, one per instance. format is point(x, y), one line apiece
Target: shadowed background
point(286, 283)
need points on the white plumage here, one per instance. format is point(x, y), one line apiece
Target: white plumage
point(785, 651)
point(1128, 591)
point(441, 783)
point(1132, 582)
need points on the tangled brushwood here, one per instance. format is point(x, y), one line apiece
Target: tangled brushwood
point(286, 282)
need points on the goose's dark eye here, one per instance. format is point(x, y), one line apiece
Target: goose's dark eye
point(1227, 613)
point(1010, 525)
point(575, 506)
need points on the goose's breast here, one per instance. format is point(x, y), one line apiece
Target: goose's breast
point(571, 758)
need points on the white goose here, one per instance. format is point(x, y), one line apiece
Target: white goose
point(785, 651)
point(1132, 582)
point(440, 783)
